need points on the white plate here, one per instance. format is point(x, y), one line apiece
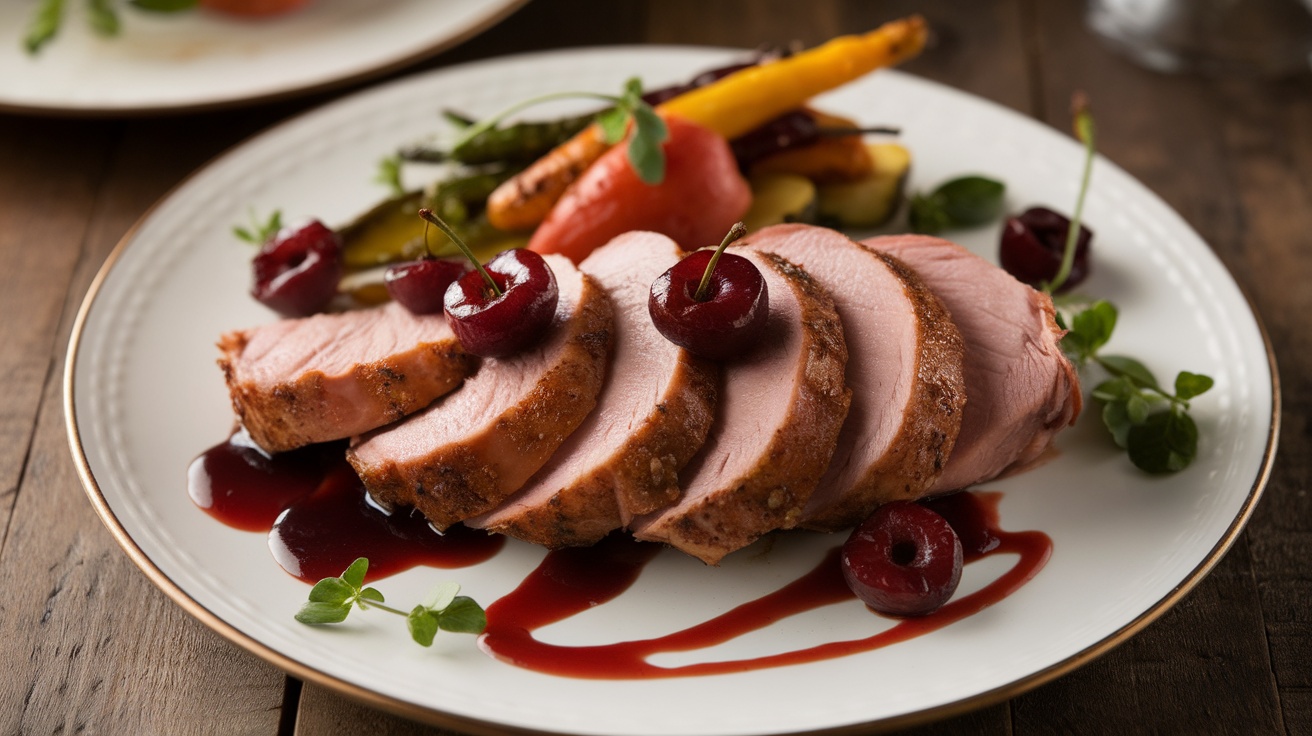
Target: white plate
point(202, 59)
point(144, 397)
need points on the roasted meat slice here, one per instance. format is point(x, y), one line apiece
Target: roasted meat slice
point(466, 453)
point(331, 376)
point(651, 417)
point(1020, 388)
point(904, 366)
point(777, 422)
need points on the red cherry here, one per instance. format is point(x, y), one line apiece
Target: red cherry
point(420, 286)
point(904, 560)
point(496, 325)
point(1033, 244)
point(713, 304)
point(297, 270)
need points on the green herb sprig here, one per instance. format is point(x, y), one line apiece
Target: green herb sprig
point(966, 201)
point(649, 130)
point(332, 599)
point(102, 17)
point(259, 231)
point(389, 174)
point(1149, 422)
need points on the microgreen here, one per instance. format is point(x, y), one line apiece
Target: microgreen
point(164, 6)
point(44, 24)
point(102, 17)
point(1152, 424)
point(649, 130)
point(332, 599)
point(389, 174)
point(259, 232)
point(1084, 131)
point(965, 201)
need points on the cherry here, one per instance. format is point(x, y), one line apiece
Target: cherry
point(297, 270)
point(712, 303)
point(905, 560)
point(1033, 244)
point(968, 519)
point(420, 286)
point(504, 307)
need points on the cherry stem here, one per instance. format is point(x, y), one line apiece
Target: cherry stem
point(875, 130)
point(428, 216)
point(737, 231)
point(1084, 131)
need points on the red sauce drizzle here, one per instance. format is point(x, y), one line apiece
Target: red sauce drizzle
point(571, 581)
point(320, 519)
point(317, 513)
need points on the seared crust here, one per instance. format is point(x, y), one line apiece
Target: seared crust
point(466, 478)
point(642, 476)
point(773, 493)
point(318, 408)
point(933, 415)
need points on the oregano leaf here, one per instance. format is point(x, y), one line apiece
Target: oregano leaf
point(331, 590)
point(322, 612)
point(1189, 385)
point(1117, 421)
point(1131, 368)
point(422, 625)
point(354, 575)
point(463, 616)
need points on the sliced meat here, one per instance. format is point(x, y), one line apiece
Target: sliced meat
point(330, 376)
point(651, 417)
point(904, 366)
point(780, 410)
point(466, 453)
point(1021, 389)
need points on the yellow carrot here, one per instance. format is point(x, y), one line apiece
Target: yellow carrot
point(731, 107)
point(747, 99)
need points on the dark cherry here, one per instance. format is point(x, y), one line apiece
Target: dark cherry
point(905, 560)
point(297, 270)
point(496, 325)
point(730, 315)
point(1033, 244)
point(969, 519)
point(420, 286)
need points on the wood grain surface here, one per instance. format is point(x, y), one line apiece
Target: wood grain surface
point(88, 645)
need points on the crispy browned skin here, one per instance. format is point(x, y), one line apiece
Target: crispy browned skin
point(641, 477)
point(772, 494)
point(312, 407)
point(933, 418)
point(471, 476)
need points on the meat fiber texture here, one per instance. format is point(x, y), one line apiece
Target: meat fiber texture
point(467, 453)
point(299, 381)
point(904, 368)
point(652, 415)
point(781, 407)
point(1020, 388)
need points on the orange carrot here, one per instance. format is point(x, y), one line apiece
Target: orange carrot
point(731, 107)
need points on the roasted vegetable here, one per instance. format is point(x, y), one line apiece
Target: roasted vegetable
point(870, 201)
point(392, 230)
point(780, 198)
point(520, 143)
point(731, 107)
point(701, 196)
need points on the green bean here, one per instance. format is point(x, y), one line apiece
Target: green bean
point(514, 144)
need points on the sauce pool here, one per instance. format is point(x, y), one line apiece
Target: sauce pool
point(318, 516)
point(319, 519)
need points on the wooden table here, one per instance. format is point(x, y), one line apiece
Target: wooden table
point(87, 644)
